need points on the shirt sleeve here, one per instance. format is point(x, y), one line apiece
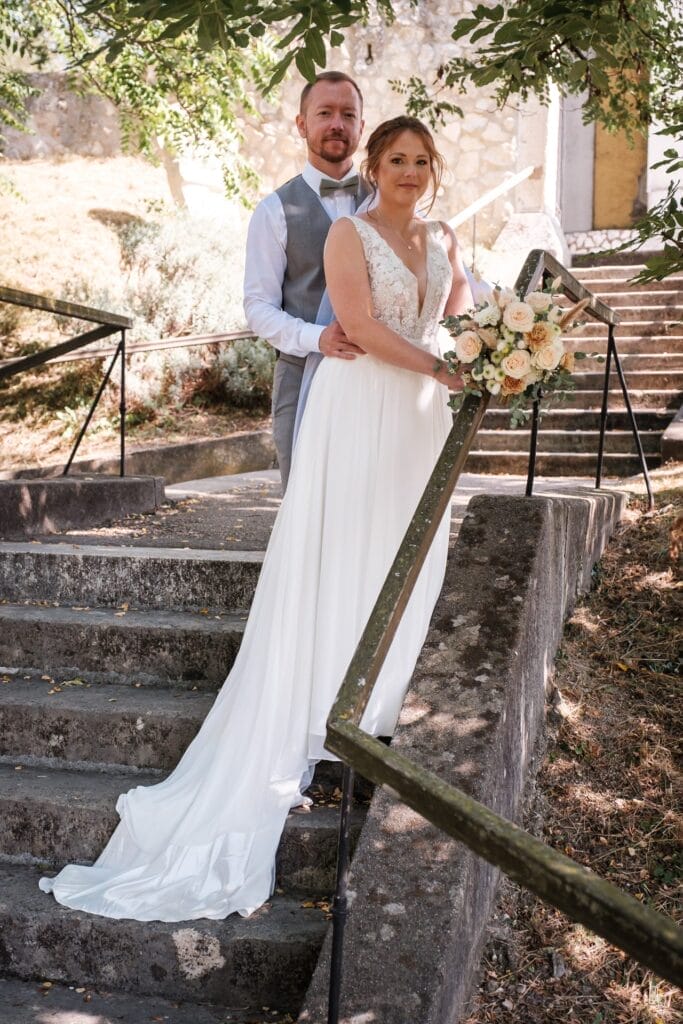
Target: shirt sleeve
point(264, 274)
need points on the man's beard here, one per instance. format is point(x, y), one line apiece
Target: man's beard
point(336, 156)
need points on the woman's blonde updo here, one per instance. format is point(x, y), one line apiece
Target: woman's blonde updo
point(383, 136)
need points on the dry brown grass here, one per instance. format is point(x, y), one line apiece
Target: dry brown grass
point(608, 792)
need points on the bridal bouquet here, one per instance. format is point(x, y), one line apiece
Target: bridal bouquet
point(513, 347)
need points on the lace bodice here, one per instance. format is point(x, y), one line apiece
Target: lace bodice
point(395, 288)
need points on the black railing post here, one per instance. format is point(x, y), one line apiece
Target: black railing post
point(340, 902)
point(532, 447)
point(122, 406)
point(603, 409)
point(634, 426)
point(91, 412)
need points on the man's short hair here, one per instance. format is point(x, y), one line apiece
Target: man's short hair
point(328, 76)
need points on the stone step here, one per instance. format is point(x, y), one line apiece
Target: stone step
point(618, 298)
point(642, 328)
point(97, 724)
point(25, 1002)
point(639, 380)
point(661, 400)
point(633, 362)
point(583, 419)
point(562, 441)
point(265, 960)
point(610, 285)
point(634, 312)
point(618, 272)
point(99, 644)
point(660, 345)
point(106, 576)
point(556, 464)
point(54, 817)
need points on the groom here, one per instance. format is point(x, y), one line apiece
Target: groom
point(284, 284)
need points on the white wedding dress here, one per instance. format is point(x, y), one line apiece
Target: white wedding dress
point(202, 843)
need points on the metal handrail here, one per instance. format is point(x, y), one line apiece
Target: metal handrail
point(160, 345)
point(650, 937)
point(109, 323)
point(541, 267)
point(485, 200)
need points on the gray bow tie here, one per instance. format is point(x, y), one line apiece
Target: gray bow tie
point(328, 186)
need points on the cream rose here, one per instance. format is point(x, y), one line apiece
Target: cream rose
point(516, 364)
point(539, 301)
point(532, 377)
point(467, 346)
point(548, 357)
point(518, 316)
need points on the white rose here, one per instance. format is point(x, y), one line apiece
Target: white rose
point(517, 364)
point(555, 313)
point(548, 357)
point(539, 301)
point(467, 346)
point(489, 316)
point(518, 316)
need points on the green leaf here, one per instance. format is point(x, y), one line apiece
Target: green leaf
point(305, 65)
point(315, 47)
point(463, 26)
point(336, 38)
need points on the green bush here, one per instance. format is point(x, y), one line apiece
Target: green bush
point(184, 276)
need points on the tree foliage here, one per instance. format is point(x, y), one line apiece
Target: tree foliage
point(171, 91)
point(623, 56)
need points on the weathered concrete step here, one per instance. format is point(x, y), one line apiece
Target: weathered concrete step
point(26, 1002)
point(56, 817)
point(632, 362)
point(610, 285)
point(107, 724)
point(643, 328)
point(178, 648)
point(556, 464)
point(157, 578)
point(583, 419)
point(637, 313)
point(639, 380)
point(646, 297)
point(591, 398)
point(266, 960)
point(562, 441)
point(662, 346)
point(618, 272)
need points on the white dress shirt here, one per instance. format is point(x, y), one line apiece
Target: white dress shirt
point(265, 265)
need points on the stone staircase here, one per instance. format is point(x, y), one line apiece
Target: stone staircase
point(111, 658)
point(650, 345)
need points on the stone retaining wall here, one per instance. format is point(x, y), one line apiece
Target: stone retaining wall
point(474, 715)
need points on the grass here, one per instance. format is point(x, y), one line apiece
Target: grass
point(608, 793)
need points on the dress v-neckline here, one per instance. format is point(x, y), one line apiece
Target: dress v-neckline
point(420, 305)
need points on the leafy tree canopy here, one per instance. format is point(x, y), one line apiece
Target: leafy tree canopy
point(624, 56)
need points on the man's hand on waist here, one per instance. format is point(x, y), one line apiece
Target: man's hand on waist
point(333, 342)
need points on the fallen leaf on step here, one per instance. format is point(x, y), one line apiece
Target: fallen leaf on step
point(47, 679)
point(125, 606)
point(73, 682)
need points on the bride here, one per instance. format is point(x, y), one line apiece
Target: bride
point(202, 843)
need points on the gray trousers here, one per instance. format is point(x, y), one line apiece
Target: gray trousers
point(286, 387)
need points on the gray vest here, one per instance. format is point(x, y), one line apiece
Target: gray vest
point(307, 227)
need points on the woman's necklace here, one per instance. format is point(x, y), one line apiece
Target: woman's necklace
point(387, 227)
